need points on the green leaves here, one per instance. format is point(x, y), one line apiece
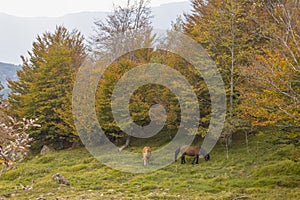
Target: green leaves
point(45, 84)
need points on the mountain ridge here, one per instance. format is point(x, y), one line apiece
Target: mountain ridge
point(20, 32)
point(7, 72)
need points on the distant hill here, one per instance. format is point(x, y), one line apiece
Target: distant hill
point(18, 33)
point(7, 72)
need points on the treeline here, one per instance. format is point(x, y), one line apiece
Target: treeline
point(254, 43)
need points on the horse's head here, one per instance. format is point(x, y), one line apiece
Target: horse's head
point(205, 154)
point(207, 157)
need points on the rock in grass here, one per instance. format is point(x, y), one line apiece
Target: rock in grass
point(110, 191)
point(60, 179)
point(45, 150)
point(40, 198)
point(61, 198)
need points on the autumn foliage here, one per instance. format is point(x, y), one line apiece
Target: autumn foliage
point(14, 141)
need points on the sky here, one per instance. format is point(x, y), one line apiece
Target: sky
point(56, 8)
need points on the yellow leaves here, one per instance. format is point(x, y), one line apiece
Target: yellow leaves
point(270, 78)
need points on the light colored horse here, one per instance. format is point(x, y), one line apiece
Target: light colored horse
point(146, 155)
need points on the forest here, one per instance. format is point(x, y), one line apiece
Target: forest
point(253, 44)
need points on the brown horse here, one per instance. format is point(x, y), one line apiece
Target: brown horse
point(191, 151)
point(146, 155)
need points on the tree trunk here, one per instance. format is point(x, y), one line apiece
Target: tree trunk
point(228, 144)
point(232, 69)
point(247, 144)
point(227, 153)
point(127, 144)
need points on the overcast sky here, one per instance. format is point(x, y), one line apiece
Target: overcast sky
point(55, 8)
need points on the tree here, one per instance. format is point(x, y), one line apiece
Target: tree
point(146, 96)
point(228, 33)
point(133, 21)
point(127, 26)
point(14, 141)
point(45, 83)
point(272, 97)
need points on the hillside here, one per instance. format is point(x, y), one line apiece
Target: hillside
point(7, 72)
point(271, 170)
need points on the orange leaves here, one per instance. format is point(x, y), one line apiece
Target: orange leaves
point(269, 98)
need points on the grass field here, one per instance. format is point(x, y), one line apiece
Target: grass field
point(270, 170)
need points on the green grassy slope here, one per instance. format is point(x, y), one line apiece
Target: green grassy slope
point(271, 170)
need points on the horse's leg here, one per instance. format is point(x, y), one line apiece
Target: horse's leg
point(194, 160)
point(145, 159)
point(197, 159)
point(182, 159)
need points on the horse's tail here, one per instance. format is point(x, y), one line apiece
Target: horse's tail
point(176, 153)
